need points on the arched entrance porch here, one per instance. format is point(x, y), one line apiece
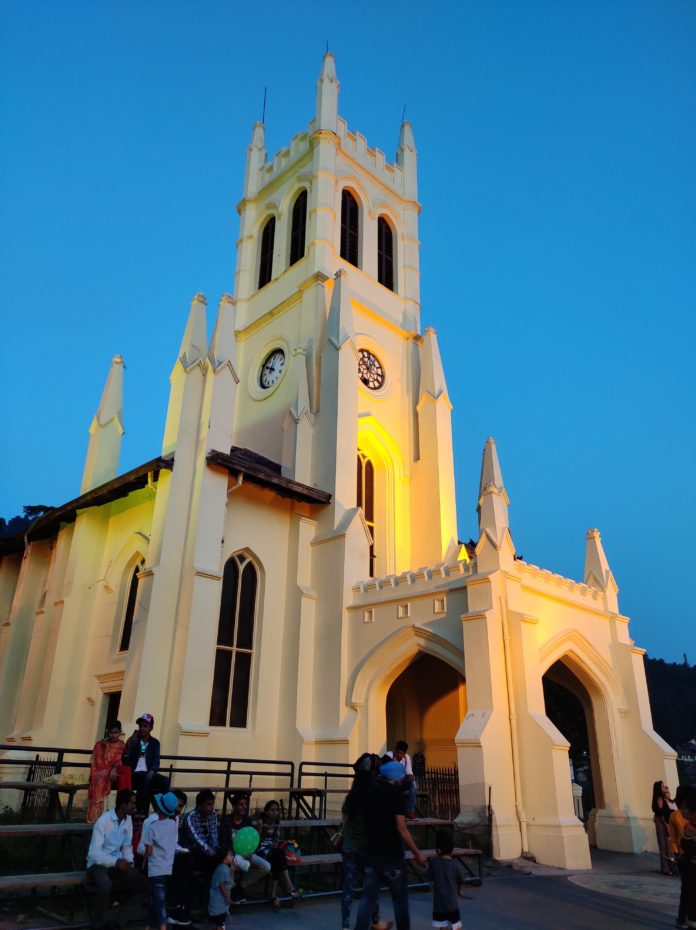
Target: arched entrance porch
point(568, 705)
point(425, 706)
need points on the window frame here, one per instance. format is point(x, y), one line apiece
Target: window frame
point(386, 263)
point(229, 676)
point(294, 236)
point(266, 250)
point(346, 246)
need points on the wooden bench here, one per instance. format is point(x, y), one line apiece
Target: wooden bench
point(44, 829)
point(41, 880)
point(57, 789)
point(335, 859)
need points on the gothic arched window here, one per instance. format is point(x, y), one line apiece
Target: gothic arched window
point(298, 227)
point(385, 253)
point(350, 227)
point(366, 500)
point(266, 261)
point(229, 705)
point(130, 608)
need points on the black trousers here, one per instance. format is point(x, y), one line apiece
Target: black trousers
point(131, 881)
point(147, 785)
point(182, 884)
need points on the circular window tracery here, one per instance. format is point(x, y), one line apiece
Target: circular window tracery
point(370, 370)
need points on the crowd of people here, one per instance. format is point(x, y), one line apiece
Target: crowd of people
point(675, 825)
point(173, 853)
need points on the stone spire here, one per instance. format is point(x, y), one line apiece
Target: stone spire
point(103, 453)
point(493, 502)
point(327, 95)
point(432, 377)
point(255, 160)
point(597, 572)
point(407, 160)
point(340, 327)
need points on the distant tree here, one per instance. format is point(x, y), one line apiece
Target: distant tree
point(18, 524)
point(35, 510)
point(672, 691)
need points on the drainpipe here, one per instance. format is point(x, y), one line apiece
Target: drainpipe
point(519, 809)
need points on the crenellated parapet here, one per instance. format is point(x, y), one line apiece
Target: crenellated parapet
point(417, 579)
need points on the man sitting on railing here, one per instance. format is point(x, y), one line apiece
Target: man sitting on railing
point(110, 856)
point(142, 754)
point(400, 754)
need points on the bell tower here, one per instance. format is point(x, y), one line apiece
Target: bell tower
point(332, 364)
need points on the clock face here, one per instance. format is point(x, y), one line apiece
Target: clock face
point(272, 368)
point(370, 370)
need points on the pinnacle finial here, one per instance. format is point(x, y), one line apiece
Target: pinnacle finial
point(490, 467)
point(340, 327)
point(103, 452)
point(328, 67)
point(111, 403)
point(597, 572)
point(258, 136)
point(432, 378)
point(194, 344)
point(406, 140)
point(327, 95)
point(493, 502)
point(407, 160)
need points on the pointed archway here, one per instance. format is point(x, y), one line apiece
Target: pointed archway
point(568, 705)
point(425, 706)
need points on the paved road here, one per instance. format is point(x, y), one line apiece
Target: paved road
point(518, 903)
point(635, 897)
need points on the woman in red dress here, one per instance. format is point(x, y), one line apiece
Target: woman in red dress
point(106, 771)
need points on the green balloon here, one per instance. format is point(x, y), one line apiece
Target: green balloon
point(246, 841)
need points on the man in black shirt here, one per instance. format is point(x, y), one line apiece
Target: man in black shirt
point(387, 834)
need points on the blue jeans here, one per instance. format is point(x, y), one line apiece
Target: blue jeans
point(389, 872)
point(158, 901)
point(353, 870)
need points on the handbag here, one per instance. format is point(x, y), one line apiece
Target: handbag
point(293, 853)
point(336, 839)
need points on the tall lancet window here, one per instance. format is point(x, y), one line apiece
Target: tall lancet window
point(266, 260)
point(350, 227)
point(366, 500)
point(298, 228)
point(130, 608)
point(385, 253)
point(229, 705)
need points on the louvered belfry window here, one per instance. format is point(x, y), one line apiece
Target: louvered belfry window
point(298, 228)
point(266, 262)
point(385, 253)
point(229, 705)
point(350, 225)
point(366, 500)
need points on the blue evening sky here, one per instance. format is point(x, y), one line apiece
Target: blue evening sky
point(557, 153)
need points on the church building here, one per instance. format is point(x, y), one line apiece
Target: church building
point(285, 580)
